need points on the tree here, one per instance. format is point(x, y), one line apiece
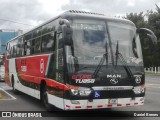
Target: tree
point(153, 23)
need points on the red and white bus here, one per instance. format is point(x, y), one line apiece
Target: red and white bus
point(79, 60)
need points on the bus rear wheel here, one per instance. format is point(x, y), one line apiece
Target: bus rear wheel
point(45, 100)
point(15, 91)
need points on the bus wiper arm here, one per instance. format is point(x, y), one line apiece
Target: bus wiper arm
point(99, 65)
point(119, 55)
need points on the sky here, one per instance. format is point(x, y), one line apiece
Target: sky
point(30, 13)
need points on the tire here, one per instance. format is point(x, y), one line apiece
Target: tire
point(15, 91)
point(48, 106)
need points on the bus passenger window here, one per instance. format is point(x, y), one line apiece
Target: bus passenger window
point(48, 42)
point(33, 48)
point(37, 47)
point(8, 50)
point(28, 48)
point(49, 45)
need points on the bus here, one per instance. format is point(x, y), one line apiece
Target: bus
point(79, 60)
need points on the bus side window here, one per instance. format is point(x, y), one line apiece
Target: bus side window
point(27, 48)
point(8, 50)
point(14, 51)
point(33, 46)
point(19, 47)
point(44, 39)
point(22, 48)
point(37, 46)
point(11, 51)
point(48, 42)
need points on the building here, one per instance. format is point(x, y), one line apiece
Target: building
point(5, 36)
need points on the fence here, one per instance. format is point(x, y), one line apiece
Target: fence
point(155, 70)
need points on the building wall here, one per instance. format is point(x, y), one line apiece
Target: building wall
point(4, 38)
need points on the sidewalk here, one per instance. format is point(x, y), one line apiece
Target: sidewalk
point(4, 95)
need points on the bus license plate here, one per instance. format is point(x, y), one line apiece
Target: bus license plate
point(113, 101)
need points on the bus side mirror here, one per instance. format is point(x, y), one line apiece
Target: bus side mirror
point(68, 35)
point(149, 33)
point(158, 23)
point(149, 40)
point(67, 32)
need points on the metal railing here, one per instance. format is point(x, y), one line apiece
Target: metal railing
point(155, 70)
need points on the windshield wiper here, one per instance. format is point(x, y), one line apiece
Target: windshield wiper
point(99, 65)
point(105, 56)
point(126, 67)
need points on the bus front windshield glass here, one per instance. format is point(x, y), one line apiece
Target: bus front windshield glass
point(126, 42)
point(92, 39)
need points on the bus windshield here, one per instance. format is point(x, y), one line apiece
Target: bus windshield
point(129, 43)
point(92, 39)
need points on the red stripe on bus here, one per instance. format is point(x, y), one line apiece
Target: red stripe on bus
point(128, 104)
point(119, 104)
point(77, 106)
point(67, 106)
point(109, 105)
point(89, 106)
point(53, 84)
point(100, 106)
point(136, 103)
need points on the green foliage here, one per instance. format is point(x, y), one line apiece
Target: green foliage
point(153, 23)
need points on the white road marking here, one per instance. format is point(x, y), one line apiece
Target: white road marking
point(12, 97)
point(6, 87)
point(151, 85)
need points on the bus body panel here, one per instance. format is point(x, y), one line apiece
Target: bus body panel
point(28, 72)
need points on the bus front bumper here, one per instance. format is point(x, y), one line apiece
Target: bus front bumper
point(102, 103)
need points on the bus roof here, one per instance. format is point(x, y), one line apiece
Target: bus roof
point(73, 13)
point(78, 14)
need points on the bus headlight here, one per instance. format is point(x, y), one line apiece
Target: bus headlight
point(139, 90)
point(74, 92)
point(84, 93)
point(81, 91)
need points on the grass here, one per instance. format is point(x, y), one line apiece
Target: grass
point(2, 96)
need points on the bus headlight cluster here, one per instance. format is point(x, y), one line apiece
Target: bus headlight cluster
point(139, 90)
point(81, 92)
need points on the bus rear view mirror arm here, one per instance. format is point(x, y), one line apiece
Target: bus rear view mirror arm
point(67, 31)
point(64, 22)
point(149, 33)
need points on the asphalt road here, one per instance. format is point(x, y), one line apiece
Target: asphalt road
point(23, 102)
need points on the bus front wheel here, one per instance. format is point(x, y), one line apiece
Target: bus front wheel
point(45, 100)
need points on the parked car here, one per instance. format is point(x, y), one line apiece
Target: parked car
point(2, 72)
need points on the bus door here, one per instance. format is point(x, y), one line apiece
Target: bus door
point(59, 71)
